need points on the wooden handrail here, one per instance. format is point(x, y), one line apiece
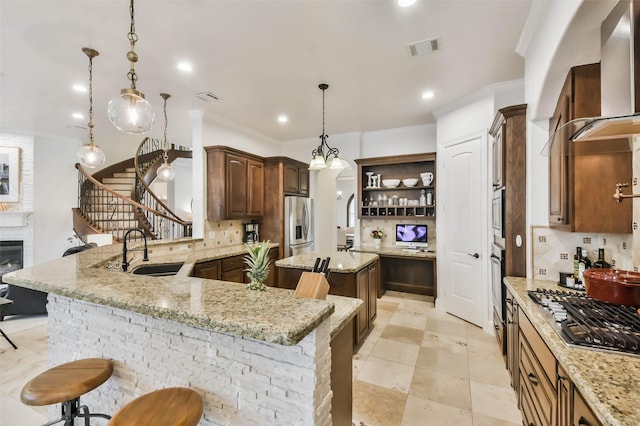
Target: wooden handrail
point(128, 200)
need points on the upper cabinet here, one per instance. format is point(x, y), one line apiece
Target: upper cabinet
point(402, 186)
point(583, 175)
point(235, 184)
point(296, 177)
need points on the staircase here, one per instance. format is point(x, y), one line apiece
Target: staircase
point(118, 198)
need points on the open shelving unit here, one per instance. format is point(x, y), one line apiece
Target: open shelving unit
point(396, 167)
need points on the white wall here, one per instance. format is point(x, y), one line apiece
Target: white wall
point(55, 194)
point(403, 140)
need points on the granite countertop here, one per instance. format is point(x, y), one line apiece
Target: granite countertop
point(395, 251)
point(340, 262)
point(607, 381)
point(275, 316)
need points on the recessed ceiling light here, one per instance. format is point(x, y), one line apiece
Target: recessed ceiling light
point(185, 66)
point(79, 87)
point(427, 94)
point(283, 118)
point(406, 3)
point(77, 116)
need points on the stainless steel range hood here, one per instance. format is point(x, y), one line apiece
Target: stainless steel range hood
point(619, 83)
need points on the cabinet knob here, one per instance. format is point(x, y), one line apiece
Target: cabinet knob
point(533, 379)
point(583, 422)
point(560, 219)
point(560, 378)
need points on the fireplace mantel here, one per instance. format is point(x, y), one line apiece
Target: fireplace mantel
point(13, 219)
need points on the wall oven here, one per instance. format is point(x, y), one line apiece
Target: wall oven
point(498, 292)
point(497, 217)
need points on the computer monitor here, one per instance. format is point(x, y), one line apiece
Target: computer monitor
point(409, 235)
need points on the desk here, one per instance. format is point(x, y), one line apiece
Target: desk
point(408, 271)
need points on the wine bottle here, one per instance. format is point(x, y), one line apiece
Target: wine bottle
point(601, 263)
point(576, 264)
point(583, 265)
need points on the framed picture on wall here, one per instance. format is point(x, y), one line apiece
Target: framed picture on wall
point(9, 174)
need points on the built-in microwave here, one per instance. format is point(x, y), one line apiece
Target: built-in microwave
point(497, 217)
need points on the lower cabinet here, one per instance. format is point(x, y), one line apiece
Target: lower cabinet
point(232, 269)
point(546, 394)
point(512, 332)
point(362, 284)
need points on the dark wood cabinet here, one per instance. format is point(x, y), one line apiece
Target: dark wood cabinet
point(370, 199)
point(362, 284)
point(233, 269)
point(509, 132)
point(235, 184)
point(282, 176)
point(583, 175)
point(296, 177)
point(581, 413)
point(408, 274)
point(511, 325)
point(210, 269)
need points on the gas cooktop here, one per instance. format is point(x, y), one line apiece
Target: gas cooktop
point(588, 323)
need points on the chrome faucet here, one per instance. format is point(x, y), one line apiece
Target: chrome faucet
point(145, 258)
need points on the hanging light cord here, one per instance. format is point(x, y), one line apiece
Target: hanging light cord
point(131, 55)
point(90, 100)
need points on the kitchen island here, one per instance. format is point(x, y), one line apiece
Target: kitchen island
point(402, 269)
point(254, 357)
point(607, 382)
point(351, 275)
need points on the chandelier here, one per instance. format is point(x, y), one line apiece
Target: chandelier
point(322, 154)
point(165, 171)
point(90, 155)
point(129, 111)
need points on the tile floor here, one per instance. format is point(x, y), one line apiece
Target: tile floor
point(419, 366)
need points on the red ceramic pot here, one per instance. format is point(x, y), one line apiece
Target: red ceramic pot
point(613, 286)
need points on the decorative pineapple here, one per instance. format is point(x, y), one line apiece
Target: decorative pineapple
point(257, 261)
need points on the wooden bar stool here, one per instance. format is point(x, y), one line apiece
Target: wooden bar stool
point(65, 384)
point(164, 407)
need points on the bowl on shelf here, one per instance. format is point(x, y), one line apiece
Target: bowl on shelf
point(390, 183)
point(409, 182)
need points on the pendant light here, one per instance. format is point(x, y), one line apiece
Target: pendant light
point(90, 155)
point(318, 157)
point(129, 111)
point(165, 172)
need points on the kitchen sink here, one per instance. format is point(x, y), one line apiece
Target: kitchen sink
point(158, 270)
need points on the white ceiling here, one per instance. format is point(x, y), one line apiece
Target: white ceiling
point(262, 58)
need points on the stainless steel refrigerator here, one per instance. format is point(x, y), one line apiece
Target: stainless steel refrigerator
point(298, 227)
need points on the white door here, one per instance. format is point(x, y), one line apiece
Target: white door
point(464, 228)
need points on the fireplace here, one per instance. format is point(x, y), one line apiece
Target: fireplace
point(11, 256)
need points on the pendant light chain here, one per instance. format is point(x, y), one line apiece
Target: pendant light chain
point(166, 145)
point(131, 55)
point(90, 99)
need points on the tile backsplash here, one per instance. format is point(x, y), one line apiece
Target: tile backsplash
point(223, 233)
point(553, 250)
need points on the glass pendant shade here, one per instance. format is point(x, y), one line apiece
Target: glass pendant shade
point(91, 156)
point(317, 163)
point(130, 112)
point(165, 172)
point(336, 164)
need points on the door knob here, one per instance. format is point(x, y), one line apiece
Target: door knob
point(476, 255)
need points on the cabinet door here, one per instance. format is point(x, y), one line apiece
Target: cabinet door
point(512, 339)
point(558, 168)
point(303, 181)
point(362, 318)
point(234, 275)
point(373, 279)
point(272, 278)
point(498, 159)
point(291, 178)
point(564, 397)
point(255, 188)
point(236, 190)
point(210, 270)
point(582, 414)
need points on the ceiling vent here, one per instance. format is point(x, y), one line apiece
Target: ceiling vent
point(207, 97)
point(424, 47)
